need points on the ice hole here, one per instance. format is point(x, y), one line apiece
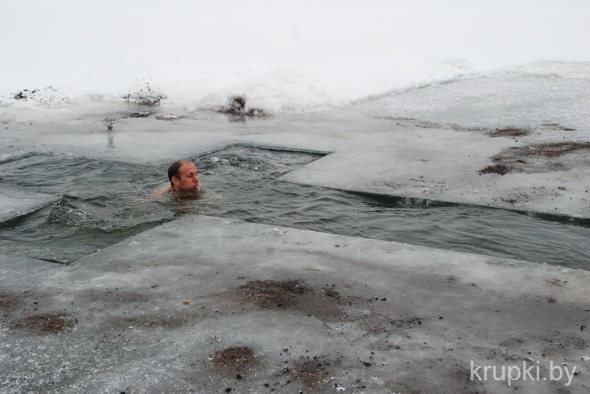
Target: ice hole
point(102, 202)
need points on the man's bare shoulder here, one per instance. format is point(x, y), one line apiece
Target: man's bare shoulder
point(162, 191)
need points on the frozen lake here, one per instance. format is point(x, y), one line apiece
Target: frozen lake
point(437, 218)
point(171, 306)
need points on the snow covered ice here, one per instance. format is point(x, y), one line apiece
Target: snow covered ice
point(299, 311)
point(290, 57)
point(414, 100)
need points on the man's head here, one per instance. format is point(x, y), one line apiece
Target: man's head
point(183, 176)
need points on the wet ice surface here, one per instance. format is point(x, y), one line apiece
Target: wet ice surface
point(212, 304)
point(441, 137)
point(169, 308)
point(15, 203)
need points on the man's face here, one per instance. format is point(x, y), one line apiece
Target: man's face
point(187, 178)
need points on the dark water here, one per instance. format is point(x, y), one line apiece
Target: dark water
point(104, 202)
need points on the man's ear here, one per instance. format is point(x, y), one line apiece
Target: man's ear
point(175, 181)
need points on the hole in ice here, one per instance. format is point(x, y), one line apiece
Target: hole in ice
point(103, 202)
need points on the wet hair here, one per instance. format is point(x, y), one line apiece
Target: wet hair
point(174, 168)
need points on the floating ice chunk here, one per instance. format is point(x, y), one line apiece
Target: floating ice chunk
point(14, 203)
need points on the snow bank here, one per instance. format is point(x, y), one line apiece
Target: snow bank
point(284, 57)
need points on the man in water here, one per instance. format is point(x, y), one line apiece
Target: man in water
point(184, 181)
